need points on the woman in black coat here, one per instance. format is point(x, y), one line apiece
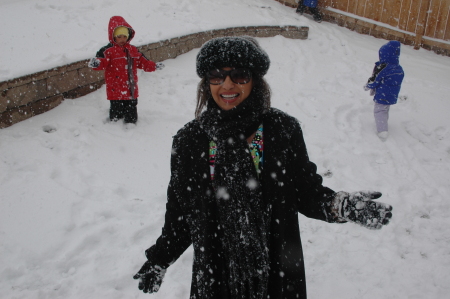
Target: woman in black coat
point(240, 173)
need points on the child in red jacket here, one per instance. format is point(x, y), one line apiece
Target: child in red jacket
point(120, 61)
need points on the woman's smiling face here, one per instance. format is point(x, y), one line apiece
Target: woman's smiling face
point(229, 94)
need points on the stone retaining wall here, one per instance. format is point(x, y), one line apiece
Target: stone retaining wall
point(27, 96)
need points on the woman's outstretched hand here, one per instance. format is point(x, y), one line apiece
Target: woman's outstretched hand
point(150, 277)
point(358, 207)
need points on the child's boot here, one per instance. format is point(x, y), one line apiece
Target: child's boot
point(300, 8)
point(316, 14)
point(383, 135)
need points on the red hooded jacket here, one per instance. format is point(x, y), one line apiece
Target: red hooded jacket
point(121, 63)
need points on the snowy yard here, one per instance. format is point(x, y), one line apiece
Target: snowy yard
point(82, 198)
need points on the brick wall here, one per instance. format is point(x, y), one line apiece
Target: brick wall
point(27, 96)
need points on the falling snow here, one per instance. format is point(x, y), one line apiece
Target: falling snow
point(81, 198)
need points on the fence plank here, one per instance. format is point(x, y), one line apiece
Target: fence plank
point(392, 8)
point(422, 19)
point(432, 18)
point(413, 17)
point(447, 25)
point(368, 9)
point(404, 14)
point(341, 5)
point(360, 7)
point(349, 5)
point(386, 10)
point(442, 24)
point(326, 3)
point(377, 10)
point(352, 5)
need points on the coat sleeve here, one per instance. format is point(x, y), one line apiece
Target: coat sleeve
point(313, 199)
point(104, 62)
point(393, 76)
point(145, 64)
point(377, 76)
point(102, 57)
point(175, 237)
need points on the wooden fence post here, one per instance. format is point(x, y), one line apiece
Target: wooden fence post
point(422, 23)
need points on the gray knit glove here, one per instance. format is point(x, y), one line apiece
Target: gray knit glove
point(159, 66)
point(94, 63)
point(150, 277)
point(358, 207)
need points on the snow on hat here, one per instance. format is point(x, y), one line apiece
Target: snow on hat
point(243, 52)
point(121, 30)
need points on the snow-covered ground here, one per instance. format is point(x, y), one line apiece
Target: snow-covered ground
point(81, 198)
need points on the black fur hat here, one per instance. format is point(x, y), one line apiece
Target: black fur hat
point(232, 51)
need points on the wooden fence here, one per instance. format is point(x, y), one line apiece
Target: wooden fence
point(429, 18)
point(422, 23)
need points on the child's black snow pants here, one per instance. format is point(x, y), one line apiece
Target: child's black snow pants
point(125, 109)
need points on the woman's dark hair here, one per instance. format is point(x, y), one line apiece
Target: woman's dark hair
point(260, 89)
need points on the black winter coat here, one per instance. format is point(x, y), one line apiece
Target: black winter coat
point(290, 184)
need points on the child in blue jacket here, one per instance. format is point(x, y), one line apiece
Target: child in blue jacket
point(312, 5)
point(385, 84)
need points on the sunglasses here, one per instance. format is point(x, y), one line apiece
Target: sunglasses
point(238, 76)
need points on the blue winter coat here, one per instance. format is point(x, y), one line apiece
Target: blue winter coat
point(388, 75)
point(310, 3)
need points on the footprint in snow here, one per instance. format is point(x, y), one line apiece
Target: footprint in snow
point(49, 129)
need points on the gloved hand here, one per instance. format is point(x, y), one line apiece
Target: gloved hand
point(358, 207)
point(150, 277)
point(159, 66)
point(94, 63)
point(366, 88)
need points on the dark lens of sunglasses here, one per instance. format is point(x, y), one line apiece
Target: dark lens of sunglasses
point(216, 77)
point(238, 76)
